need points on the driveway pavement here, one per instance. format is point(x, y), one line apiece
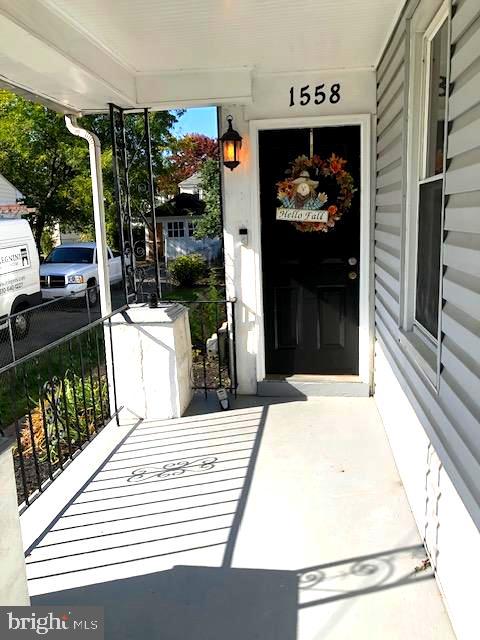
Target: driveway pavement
point(49, 323)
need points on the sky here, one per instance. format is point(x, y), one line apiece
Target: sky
point(198, 120)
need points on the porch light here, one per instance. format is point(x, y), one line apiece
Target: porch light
point(231, 144)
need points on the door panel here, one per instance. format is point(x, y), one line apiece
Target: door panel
point(310, 296)
point(331, 317)
point(286, 317)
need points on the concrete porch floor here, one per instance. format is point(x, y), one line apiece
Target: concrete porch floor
point(163, 519)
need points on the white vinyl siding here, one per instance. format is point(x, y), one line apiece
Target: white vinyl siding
point(8, 193)
point(450, 415)
point(460, 356)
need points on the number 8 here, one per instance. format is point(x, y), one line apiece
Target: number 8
point(335, 93)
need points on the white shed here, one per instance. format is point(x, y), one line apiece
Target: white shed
point(177, 219)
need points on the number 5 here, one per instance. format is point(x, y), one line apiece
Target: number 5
point(304, 95)
point(319, 94)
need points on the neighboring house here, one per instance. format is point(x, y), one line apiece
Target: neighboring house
point(11, 201)
point(62, 235)
point(11, 206)
point(9, 194)
point(192, 185)
point(176, 221)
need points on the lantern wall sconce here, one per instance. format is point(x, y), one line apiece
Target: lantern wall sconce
point(231, 145)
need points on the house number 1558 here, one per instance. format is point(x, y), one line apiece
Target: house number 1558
point(318, 94)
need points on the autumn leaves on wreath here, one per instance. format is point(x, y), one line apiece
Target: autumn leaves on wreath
point(304, 201)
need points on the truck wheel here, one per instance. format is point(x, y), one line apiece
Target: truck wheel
point(92, 293)
point(20, 323)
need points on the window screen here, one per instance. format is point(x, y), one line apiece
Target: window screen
point(428, 255)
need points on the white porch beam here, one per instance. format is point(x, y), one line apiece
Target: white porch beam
point(46, 56)
point(175, 89)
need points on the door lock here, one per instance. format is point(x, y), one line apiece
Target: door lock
point(352, 275)
point(352, 261)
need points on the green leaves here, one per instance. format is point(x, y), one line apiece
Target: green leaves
point(51, 167)
point(187, 270)
point(210, 224)
point(41, 158)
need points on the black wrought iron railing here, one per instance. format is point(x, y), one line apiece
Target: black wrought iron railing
point(213, 334)
point(53, 402)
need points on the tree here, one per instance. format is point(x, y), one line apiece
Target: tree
point(162, 139)
point(187, 156)
point(210, 224)
point(43, 160)
point(51, 167)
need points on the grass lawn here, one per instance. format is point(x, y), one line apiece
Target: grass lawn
point(206, 315)
point(19, 391)
point(184, 293)
point(20, 387)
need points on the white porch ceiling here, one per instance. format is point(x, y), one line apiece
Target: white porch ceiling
point(83, 53)
point(272, 35)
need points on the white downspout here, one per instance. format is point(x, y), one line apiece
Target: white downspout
point(98, 211)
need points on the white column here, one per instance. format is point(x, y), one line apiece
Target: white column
point(241, 260)
point(13, 579)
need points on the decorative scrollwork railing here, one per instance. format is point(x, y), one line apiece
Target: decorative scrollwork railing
point(134, 194)
point(59, 400)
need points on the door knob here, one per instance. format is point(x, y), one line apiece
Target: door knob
point(352, 275)
point(352, 261)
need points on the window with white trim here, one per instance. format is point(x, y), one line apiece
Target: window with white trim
point(191, 228)
point(431, 181)
point(427, 148)
point(175, 229)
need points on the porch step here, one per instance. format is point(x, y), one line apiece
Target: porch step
point(303, 387)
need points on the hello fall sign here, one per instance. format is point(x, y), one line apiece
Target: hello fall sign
point(302, 215)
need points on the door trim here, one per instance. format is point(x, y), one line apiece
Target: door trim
point(366, 299)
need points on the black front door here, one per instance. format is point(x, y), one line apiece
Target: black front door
point(310, 277)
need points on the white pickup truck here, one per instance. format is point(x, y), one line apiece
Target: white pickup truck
point(71, 270)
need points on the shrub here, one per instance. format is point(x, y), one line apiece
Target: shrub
point(75, 419)
point(187, 270)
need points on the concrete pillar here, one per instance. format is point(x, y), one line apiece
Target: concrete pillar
point(13, 579)
point(152, 362)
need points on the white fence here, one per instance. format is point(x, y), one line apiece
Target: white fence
point(208, 247)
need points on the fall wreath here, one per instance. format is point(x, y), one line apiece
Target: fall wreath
point(306, 206)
